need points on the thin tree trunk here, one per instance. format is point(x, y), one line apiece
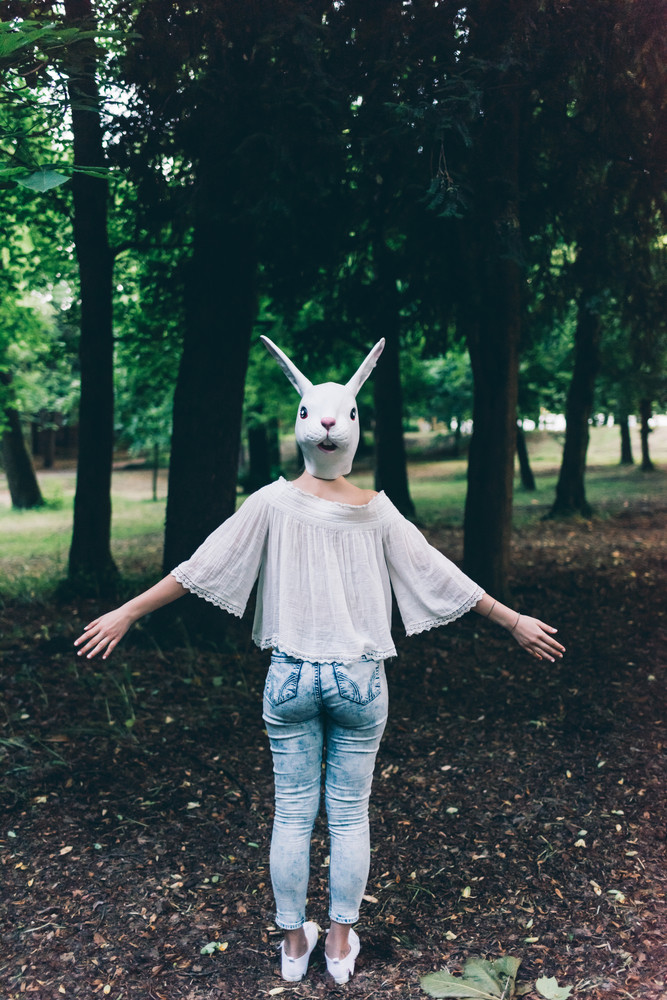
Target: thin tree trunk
point(91, 567)
point(391, 470)
point(21, 479)
point(527, 477)
point(626, 442)
point(571, 490)
point(48, 447)
point(645, 412)
point(156, 468)
point(220, 309)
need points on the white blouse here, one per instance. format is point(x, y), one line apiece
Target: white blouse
point(326, 571)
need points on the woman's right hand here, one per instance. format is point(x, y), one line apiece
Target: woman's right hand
point(104, 633)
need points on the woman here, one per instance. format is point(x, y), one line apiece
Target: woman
point(328, 556)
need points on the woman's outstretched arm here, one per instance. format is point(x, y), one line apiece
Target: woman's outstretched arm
point(105, 632)
point(532, 635)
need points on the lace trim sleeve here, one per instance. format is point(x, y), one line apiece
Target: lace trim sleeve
point(416, 627)
point(207, 595)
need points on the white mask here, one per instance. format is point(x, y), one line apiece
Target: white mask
point(327, 423)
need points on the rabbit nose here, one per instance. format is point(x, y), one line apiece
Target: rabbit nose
point(328, 422)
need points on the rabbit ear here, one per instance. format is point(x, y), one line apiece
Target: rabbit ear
point(365, 368)
point(298, 380)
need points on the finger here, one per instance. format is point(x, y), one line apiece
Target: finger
point(550, 651)
point(87, 631)
point(92, 642)
point(89, 640)
point(112, 645)
point(547, 628)
point(104, 640)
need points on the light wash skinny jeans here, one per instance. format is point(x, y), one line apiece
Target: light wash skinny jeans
point(304, 703)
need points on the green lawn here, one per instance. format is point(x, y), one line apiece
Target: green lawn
point(35, 544)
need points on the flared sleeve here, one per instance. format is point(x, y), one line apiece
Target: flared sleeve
point(430, 589)
point(224, 568)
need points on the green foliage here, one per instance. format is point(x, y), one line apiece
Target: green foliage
point(42, 180)
point(481, 978)
point(489, 980)
point(148, 322)
point(438, 388)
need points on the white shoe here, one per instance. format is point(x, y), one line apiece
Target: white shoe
point(342, 968)
point(294, 969)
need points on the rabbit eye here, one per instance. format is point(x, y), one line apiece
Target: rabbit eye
point(303, 412)
point(353, 413)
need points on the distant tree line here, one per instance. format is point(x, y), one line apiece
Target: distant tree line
point(482, 182)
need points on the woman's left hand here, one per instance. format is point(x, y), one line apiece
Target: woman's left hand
point(537, 638)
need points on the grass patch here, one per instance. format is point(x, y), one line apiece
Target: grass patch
point(35, 543)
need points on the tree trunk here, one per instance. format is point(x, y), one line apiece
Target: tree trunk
point(645, 412)
point(48, 446)
point(527, 477)
point(570, 490)
point(259, 459)
point(626, 442)
point(155, 469)
point(21, 479)
point(493, 333)
point(273, 434)
point(391, 471)
point(220, 309)
point(91, 568)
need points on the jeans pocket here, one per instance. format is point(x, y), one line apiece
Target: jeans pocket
point(359, 682)
point(282, 680)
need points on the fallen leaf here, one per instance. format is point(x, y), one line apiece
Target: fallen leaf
point(212, 946)
point(481, 978)
point(549, 988)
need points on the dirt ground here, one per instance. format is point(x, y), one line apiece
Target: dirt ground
point(518, 807)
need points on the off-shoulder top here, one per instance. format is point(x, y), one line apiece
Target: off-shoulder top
point(326, 571)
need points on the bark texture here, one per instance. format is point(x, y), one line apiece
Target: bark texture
point(391, 474)
point(220, 309)
point(91, 567)
point(627, 457)
point(391, 471)
point(491, 315)
point(21, 479)
point(645, 413)
point(571, 489)
point(525, 471)
point(493, 333)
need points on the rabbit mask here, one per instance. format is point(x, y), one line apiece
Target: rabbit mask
point(327, 424)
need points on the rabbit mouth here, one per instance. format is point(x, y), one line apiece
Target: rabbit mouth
point(327, 446)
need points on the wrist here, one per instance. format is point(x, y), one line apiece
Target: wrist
point(132, 611)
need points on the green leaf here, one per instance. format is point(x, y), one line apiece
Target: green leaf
point(212, 947)
point(443, 984)
point(549, 988)
point(42, 180)
point(481, 978)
